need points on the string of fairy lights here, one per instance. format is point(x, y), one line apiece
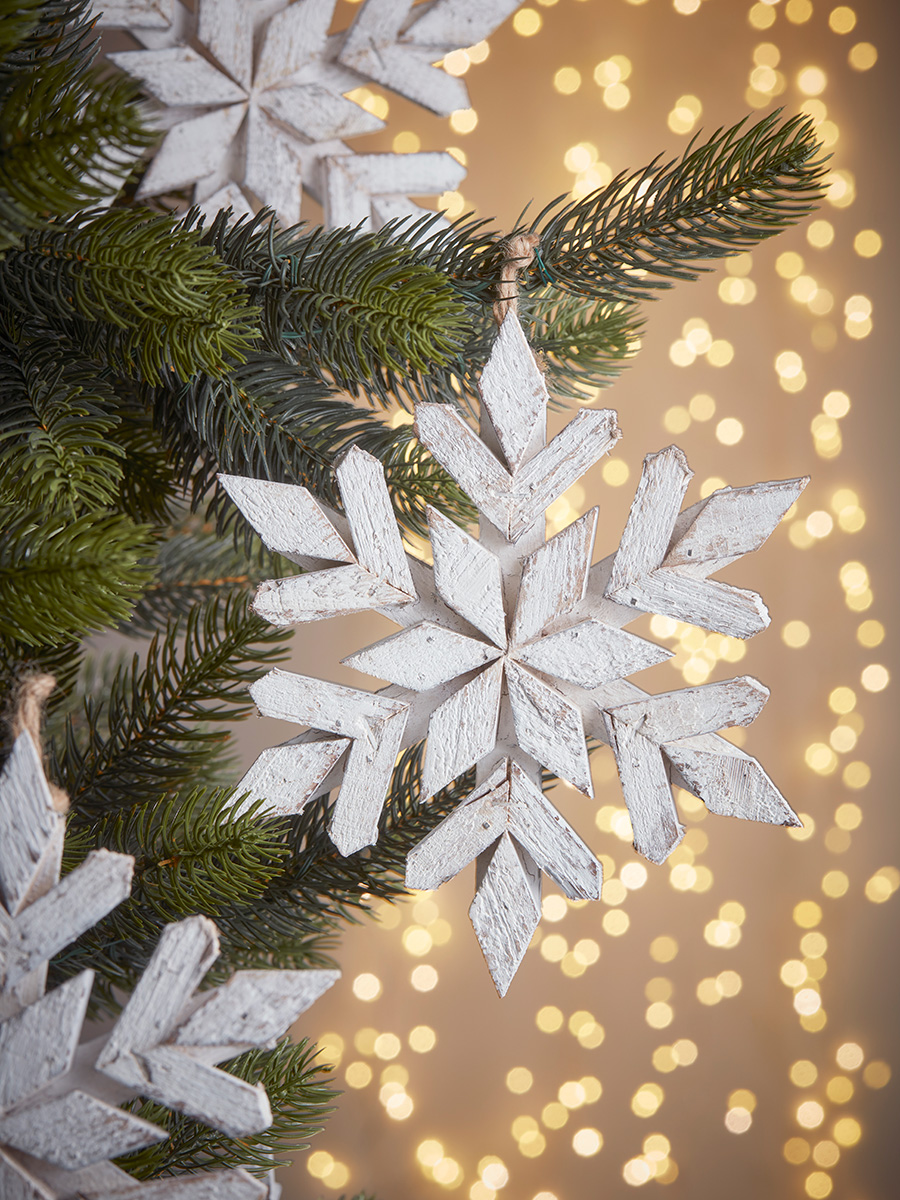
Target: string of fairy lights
point(390, 1065)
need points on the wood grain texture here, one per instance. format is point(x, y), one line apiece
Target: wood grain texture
point(286, 777)
point(29, 823)
point(226, 28)
point(288, 518)
point(210, 1185)
point(663, 560)
point(553, 844)
point(179, 77)
point(374, 49)
point(75, 1130)
point(729, 782)
point(513, 392)
point(57, 918)
point(354, 182)
point(455, 24)
point(320, 594)
point(39, 1043)
point(549, 727)
point(253, 1008)
point(513, 503)
point(367, 504)
point(149, 14)
point(462, 730)
point(554, 578)
point(423, 657)
point(591, 653)
point(223, 1101)
point(646, 790)
point(506, 909)
point(468, 577)
point(194, 147)
point(692, 711)
point(468, 831)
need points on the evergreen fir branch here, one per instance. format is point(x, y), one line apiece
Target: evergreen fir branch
point(648, 228)
point(57, 418)
point(195, 565)
point(151, 735)
point(138, 290)
point(67, 134)
point(581, 344)
point(300, 1093)
point(361, 309)
point(61, 579)
point(268, 421)
point(149, 490)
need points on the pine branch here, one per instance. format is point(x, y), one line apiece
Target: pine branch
point(141, 292)
point(67, 135)
point(646, 229)
point(57, 419)
point(151, 737)
point(62, 579)
point(582, 344)
point(359, 309)
point(270, 422)
point(301, 1096)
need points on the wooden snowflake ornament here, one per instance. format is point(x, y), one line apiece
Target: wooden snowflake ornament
point(512, 648)
point(254, 99)
point(60, 1124)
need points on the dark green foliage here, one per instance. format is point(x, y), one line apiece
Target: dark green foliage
point(61, 578)
point(583, 344)
point(301, 1096)
point(66, 134)
point(355, 308)
point(57, 426)
point(271, 422)
point(150, 734)
point(725, 195)
point(142, 294)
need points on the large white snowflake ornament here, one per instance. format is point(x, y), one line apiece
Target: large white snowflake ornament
point(512, 649)
point(253, 96)
point(60, 1124)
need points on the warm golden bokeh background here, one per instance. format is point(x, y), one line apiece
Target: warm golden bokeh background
point(724, 1026)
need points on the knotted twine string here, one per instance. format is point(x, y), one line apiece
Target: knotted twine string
point(519, 255)
point(28, 709)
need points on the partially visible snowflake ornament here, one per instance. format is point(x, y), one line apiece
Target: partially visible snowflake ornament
point(512, 649)
point(255, 102)
point(60, 1124)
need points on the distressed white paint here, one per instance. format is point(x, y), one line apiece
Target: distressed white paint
point(729, 781)
point(662, 562)
point(316, 113)
point(328, 706)
point(208, 1185)
point(462, 730)
point(513, 392)
point(567, 624)
point(29, 823)
point(192, 149)
point(183, 955)
point(76, 1130)
point(549, 727)
point(179, 77)
point(57, 918)
point(512, 503)
point(372, 48)
point(423, 657)
point(225, 27)
point(149, 14)
point(39, 1043)
point(554, 578)
point(468, 577)
point(332, 593)
point(254, 1008)
point(354, 182)
point(286, 777)
point(293, 39)
point(591, 653)
point(288, 518)
point(693, 711)
point(367, 504)
point(646, 789)
point(448, 24)
point(173, 1078)
point(506, 909)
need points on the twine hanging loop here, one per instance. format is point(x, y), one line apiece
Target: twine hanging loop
point(519, 254)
